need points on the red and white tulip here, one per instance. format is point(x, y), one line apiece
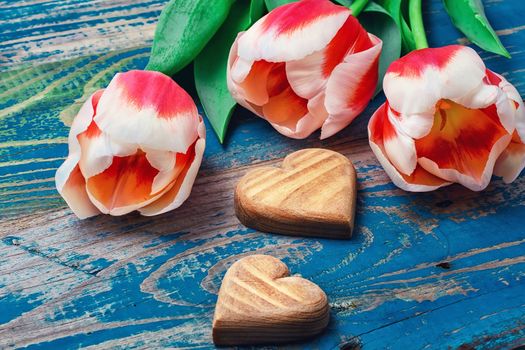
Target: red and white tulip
point(448, 119)
point(136, 145)
point(304, 66)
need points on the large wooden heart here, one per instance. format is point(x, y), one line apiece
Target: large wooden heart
point(313, 194)
point(259, 303)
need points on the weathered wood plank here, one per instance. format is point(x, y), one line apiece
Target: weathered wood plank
point(59, 89)
point(34, 32)
point(422, 271)
point(173, 264)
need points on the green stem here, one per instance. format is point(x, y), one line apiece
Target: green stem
point(416, 24)
point(358, 6)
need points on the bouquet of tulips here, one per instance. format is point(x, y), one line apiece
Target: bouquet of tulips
point(302, 66)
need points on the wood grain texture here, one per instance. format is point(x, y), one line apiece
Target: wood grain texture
point(313, 193)
point(32, 31)
point(260, 303)
point(422, 271)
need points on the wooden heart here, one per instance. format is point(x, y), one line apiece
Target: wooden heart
point(259, 303)
point(313, 194)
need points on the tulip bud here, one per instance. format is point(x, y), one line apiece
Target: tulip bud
point(447, 119)
point(136, 145)
point(304, 66)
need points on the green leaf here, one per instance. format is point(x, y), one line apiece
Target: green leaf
point(376, 20)
point(469, 17)
point(184, 28)
point(394, 8)
point(210, 65)
point(257, 10)
point(346, 3)
point(271, 4)
point(409, 44)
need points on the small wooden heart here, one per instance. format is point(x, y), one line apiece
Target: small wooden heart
point(313, 194)
point(259, 303)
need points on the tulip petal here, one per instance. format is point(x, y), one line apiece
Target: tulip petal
point(240, 68)
point(310, 122)
point(181, 188)
point(415, 83)
point(420, 180)
point(76, 197)
point(309, 75)
point(235, 89)
point(168, 164)
point(415, 125)
point(80, 124)
point(148, 109)
point(143, 179)
point(96, 151)
point(463, 144)
point(399, 147)
point(285, 109)
point(254, 85)
point(511, 161)
point(124, 186)
point(306, 75)
point(292, 31)
point(69, 180)
point(513, 105)
point(350, 87)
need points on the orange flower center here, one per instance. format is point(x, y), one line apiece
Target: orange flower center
point(461, 138)
point(126, 182)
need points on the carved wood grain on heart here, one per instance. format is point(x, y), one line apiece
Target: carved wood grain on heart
point(259, 303)
point(313, 194)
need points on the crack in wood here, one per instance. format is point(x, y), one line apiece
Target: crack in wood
point(467, 298)
point(37, 251)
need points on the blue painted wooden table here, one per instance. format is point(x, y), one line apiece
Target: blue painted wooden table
point(423, 271)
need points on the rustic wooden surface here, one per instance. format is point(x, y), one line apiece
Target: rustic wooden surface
point(438, 270)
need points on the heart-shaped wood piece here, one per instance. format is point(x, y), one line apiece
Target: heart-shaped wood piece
point(259, 303)
point(313, 194)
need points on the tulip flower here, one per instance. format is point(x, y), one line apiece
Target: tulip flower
point(137, 145)
point(304, 66)
point(447, 119)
